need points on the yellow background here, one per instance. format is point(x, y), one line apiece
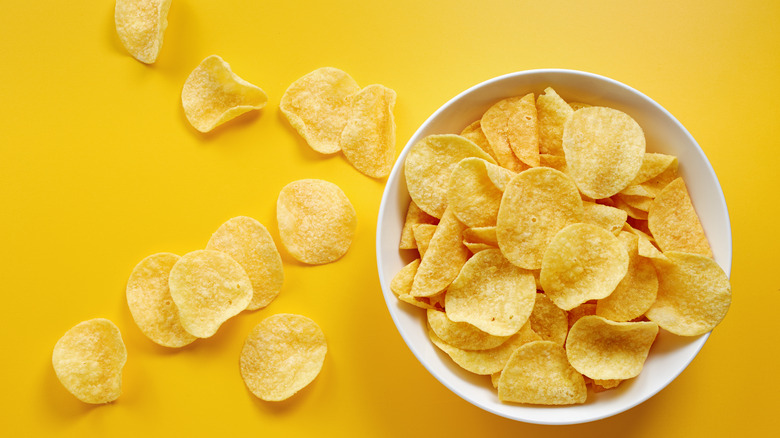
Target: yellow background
point(99, 168)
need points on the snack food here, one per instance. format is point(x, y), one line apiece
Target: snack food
point(141, 25)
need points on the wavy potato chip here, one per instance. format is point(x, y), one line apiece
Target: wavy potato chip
point(674, 223)
point(610, 218)
point(248, 242)
point(553, 113)
point(475, 191)
point(578, 312)
point(317, 222)
point(461, 335)
point(653, 165)
point(208, 287)
point(401, 286)
point(549, 321)
point(474, 133)
point(423, 233)
point(511, 128)
point(317, 106)
point(213, 95)
point(282, 355)
point(88, 360)
point(150, 302)
point(480, 238)
point(368, 138)
point(444, 258)
point(140, 25)
point(414, 216)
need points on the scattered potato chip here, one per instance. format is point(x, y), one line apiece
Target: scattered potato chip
point(553, 113)
point(474, 133)
point(282, 355)
point(604, 150)
point(444, 258)
point(491, 294)
point(603, 349)
point(213, 95)
point(610, 218)
point(150, 302)
point(461, 334)
point(88, 360)
point(536, 205)
point(694, 294)
point(549, 321)
point(637, 291)
point(674, 223)
point(208, 287)
point(368, 138)
point(317, 106)
point(249, 243)
point(414, 216)
point(495, 125)
point(475, 191)
point(423, 233)
point(539, 373)
point(316, 221)
point(141, 25)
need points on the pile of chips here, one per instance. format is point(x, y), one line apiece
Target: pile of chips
point(553, 247)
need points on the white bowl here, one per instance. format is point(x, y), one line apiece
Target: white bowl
point(670, 354)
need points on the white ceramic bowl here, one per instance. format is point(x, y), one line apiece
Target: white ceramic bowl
point(670, 354)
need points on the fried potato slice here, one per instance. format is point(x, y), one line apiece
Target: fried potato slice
point(213, 95)
point(480, 238)
point(653, 164)
point(475, 191)
point(368, 138)
point(414, 216)
point(474, 133)
point(637, 291)
point(443, 259)
point(423, 233)
point(401, 286)
point(461, 335)
point(674, 223)
point(549, 321)
point(495, 125)
point(610, 218)
point(523, 131)
point(88, 360)
point(553, 113)
point(141, 26)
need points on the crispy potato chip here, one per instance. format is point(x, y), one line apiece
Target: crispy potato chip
point(553, 113)
point(578, 312)
point(578, 105)
point(610, 218)
point(653, 164)
point(646, 248)
point(401, 284)
point(423, 233)
point(491, 294)
point(636, 201)
point(474, 133)
point(485, 362)
point(549, 321)
point(632, 212)
point(603, 349)
point(141, 25)
point(316, 221)
point(414, 216)
point(539, 373)
point(603, 385)
point(604, 150)
point(368, 138)
point(557, 162)
point(674, 223)
point(536, 205)
point(694, 294)
point(523, 131)
point(653, 186)
point(282, 355)
point(443, 259)
point(461, 335)
point(249, 243)
point(208, 287)
point(88, 360)
point(480, 238)
point(475, 191)
point(583, 262)
point(150, 302)
point(317, 106)
point(213, 95)
point(429, 164)
point(495, 125)
point(638, 289)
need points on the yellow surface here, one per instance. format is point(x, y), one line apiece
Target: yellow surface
point(99, 168)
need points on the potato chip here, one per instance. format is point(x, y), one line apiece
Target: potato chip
point(578, 105)
point(653, 164)
point(316, 221)
point(368, 138)
point(249, 243)
point(141, 25)
point(317, 106)
point(208, 287)
point(461, 335)
point(443, 259)
point(480, 238)
point(557, 162)
point(553, 113)
point(603, 349)
point(429, 164)
point(632, 212)
point(491, 294)
point(636, 292)
point(578, 312)
point(495, 125)
point(423, 233)
point(694, 294)
point(474, 133)
point(485, 362)
point(150, 302)
point(414, 215)
point(475, 191)
point(539, 373)
point(674, 223)
point(603, 385)
point(213, 95)
point(610, 218)
point(401, 286)
point(282, 355)
point(549, 321)
point(604, 150)
point(652, 187)
point(88, 360)
point(536, 205)
point(583, 262)
point(523, 131)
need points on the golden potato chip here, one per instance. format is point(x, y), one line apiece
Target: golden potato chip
point(653, 164)
point(602, 349)
point(604, 150)
point(632, 212)
point(557, 162)
point(603, 385)
point(646, 248)
point(653, 186)
point(636, 292)
point(368, 138)
point(674, 223)
point(578, 312)
point(536, 205)
point(461, 335)
point(423, 233)
point(553, 113)
point(213, 95)
point(208, 287)
point(694, 294)
point(141, 25)
point(282, 355)
point(610, 218)
point(485, 362)
point(549, 321)
point(475, 191)
point(316, 221)
point(88, 360)
point(429, 164)
point(539, 373)
point(150, 302)
point(414, 215)
point(474, 133)
point(636, 201)
point(583, 262)
point(480, 238)
point(495, 125)
point(491, 294)
point(401, 284)
point(578, 105)
point(249, 243)
point(523, 131)
point(443, 259)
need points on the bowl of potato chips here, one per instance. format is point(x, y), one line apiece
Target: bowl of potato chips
point(554, 246)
